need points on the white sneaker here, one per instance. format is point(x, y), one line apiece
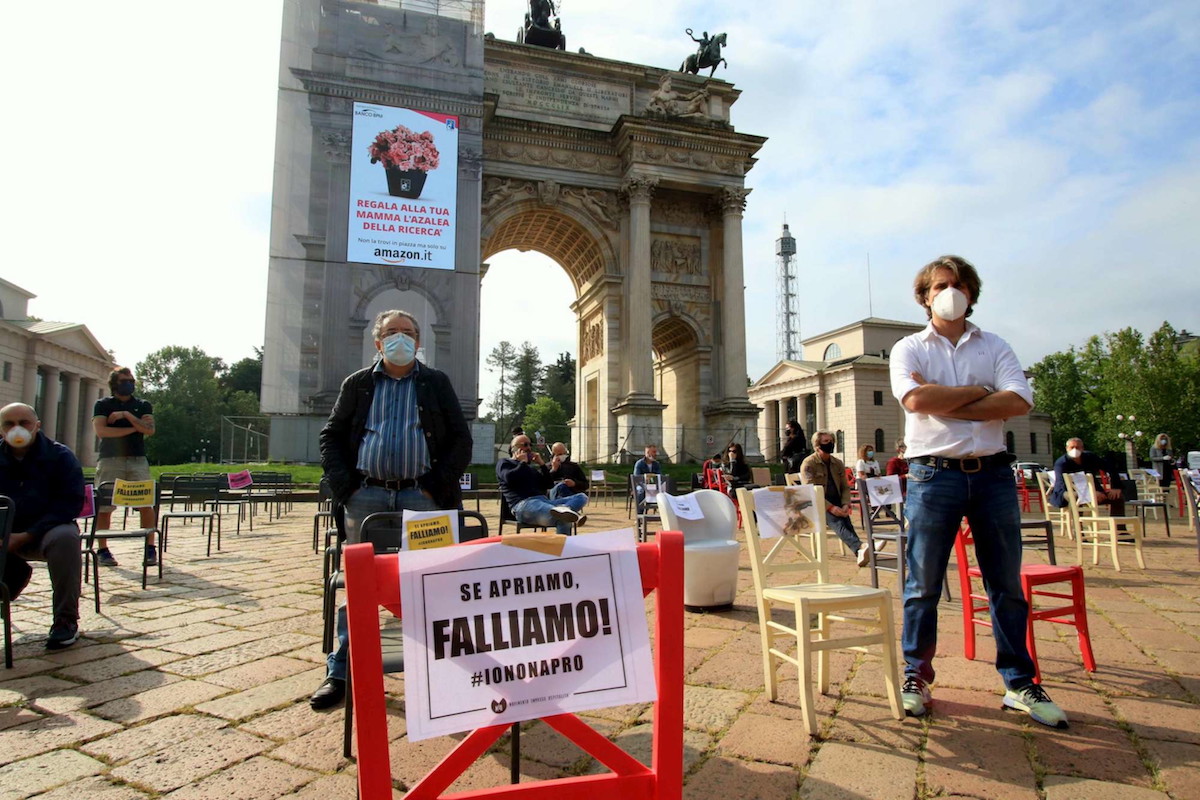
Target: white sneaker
point(915, 696)
point(1033, 700)
point(564, 514)
point(864, 554)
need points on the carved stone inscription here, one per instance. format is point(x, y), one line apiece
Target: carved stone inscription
point(675, 291)
point(530, 91)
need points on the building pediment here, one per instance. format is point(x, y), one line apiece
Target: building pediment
point(785, 370)
point(71, 336)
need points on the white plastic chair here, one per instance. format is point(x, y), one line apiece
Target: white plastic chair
point(710, 547)
point(803, 507)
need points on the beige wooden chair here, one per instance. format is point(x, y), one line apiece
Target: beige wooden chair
point(1090, 525)
point(788, 513)
point(1148, 489)
point(1062, 516)
point(1187, 481)
point(793, 479)
point(761, 476)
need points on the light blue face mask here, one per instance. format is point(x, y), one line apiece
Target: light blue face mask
point(870, 454)
point(399, 349)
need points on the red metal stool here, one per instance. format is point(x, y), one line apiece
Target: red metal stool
point(1032, 575)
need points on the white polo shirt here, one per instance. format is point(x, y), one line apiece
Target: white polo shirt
point(979, 359)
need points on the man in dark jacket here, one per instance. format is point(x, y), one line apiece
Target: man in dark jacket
point(567, 475)
point(45, 483)
point(396, 440)
point(524, 480)
point(1079, 460)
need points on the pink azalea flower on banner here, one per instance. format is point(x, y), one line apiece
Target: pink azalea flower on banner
point(403, 149)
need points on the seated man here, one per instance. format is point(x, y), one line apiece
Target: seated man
point(524, 480)
point(824, 469)
point(568, 476)
point(646, 465)
point(1079, 460)
point(45, 482)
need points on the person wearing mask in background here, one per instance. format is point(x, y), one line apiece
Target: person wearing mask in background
point(123, 422)
point(1162, 458)
point(646, 465)
point(1079, 460)
point(822, 468)
point(867, 466)
point(524, 480)
point(736, 470)
point(568, 476)
point(396, 439)
point(898, 464)
point(795, 447)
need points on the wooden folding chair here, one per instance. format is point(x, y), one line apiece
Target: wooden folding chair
point(1090, 525)
point(373, 581)
point(824, 599)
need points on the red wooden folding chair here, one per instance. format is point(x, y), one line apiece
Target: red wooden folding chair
point(374, 581)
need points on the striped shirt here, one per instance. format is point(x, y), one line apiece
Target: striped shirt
point(393, 444)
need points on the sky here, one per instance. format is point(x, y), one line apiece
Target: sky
point(1054, 145)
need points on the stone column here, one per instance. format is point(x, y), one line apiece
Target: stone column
point(69, 434)
point(29, 390)
point(640, 370)
point(733, 202)
point(335, 293)
point(87, 436)
point(821, 407)
point(50, 403)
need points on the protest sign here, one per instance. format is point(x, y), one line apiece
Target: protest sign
point(1081, 487)
point(495, 634)
point(884, 491)
point(790, 511)
point(133, 494)
point(240, 480)
point(426, 529)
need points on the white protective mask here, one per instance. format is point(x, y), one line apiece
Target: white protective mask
point(950, 304)
point(399, 349)
point(1074, 452)
point(18, 436)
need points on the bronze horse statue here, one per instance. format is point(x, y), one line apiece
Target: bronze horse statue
point(708, 54)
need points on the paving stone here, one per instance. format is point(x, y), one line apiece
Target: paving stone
point(329, 787)
point(638, 741)
point(173, 698)
point(1061, 787)
point(707, 638)
point(721, 777)
point(96, 788)
point(245, 653)
point(257, 673)
point(92, 694)
point(51, 733)
point(1178, 766)
point(761, 738)
point(1161, 719)
point(974, 751)
point(259, 699)
point(319, 750)
point(26, 778)
point(116, 665)
point(866, 719)
point(1090, 751)
point(257, 779)
point(15, 715)
point(289, 722)
point(852, 771)
point(207, 644)
point(711, 710)
point(23, 690)
point(133, 743)
point(182, 763)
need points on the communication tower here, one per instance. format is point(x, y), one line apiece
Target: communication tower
point(788, 314)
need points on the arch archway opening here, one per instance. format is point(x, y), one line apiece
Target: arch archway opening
point(677, 385)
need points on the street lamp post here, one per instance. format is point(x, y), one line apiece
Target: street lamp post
point(1129, 439)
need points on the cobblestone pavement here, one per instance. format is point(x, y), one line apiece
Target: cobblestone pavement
point(197, 688)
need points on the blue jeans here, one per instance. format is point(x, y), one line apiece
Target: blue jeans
point(844, 529)
point(936, 503)
point(364, 502)
point(561, 490)
point(536, 511)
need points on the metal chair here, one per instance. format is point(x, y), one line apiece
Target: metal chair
point(650, 510)
point(199, 495)
point(7, 512)
point(104, 497)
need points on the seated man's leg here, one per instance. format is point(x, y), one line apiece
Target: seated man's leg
point(844, 530)
point(559, 491)
point(535, 512)
point(59, 548)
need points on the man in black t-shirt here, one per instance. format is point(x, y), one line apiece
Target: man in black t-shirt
point(122, 422)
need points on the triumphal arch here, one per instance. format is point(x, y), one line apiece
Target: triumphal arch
point(630, 177)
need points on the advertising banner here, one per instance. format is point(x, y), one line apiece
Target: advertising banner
point(403, 187)
point(505, 632)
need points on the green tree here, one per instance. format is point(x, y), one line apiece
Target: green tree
point(502, 359)
point(182, 384)
point(244, 376)
point(560, 382)
point(1059, 389)
point(527, 380)
point(546, 415)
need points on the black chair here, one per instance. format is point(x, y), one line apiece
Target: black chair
point(104, 496)
point(881, 528)
point(649, 511)
point(200, 496)
point(469, 488)
point(385, 530)
point(7, 512)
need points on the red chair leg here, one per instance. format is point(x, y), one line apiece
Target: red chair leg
point(1081, 623)
point(1030, 645)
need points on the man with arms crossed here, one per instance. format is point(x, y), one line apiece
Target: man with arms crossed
point(957, 385)
point(396, 439)
point(123, 422)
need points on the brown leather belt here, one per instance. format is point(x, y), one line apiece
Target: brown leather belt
point(395, 486)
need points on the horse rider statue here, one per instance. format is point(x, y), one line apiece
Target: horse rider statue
point(707, 55)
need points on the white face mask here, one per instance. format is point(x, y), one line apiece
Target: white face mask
point(949, 305)
point(399, 349)
point(18, 436)
point(1074, 452)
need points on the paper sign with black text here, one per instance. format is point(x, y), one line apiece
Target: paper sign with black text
point(684, 507)
point(426, 529)
point(133, 494)
point(495, 634)
point(1081, 487)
